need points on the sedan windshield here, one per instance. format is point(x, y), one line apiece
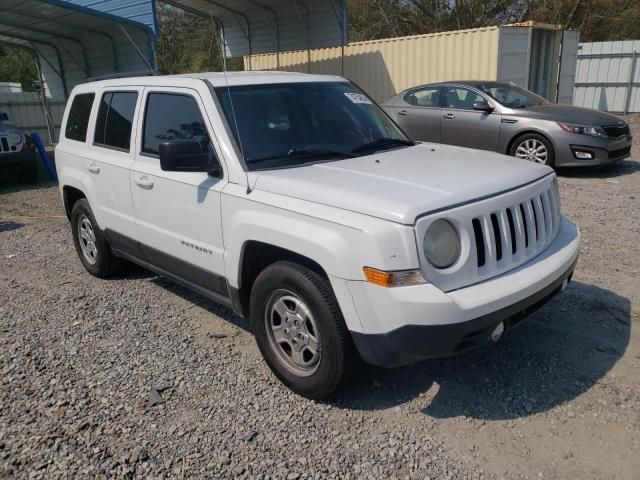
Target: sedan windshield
point(512, 96)
point(284, 125)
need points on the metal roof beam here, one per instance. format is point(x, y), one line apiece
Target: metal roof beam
point(45, 19)
point(87, 67)
point(237, 14)
point(61, 73)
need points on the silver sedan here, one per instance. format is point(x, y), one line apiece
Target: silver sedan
point(505, 118)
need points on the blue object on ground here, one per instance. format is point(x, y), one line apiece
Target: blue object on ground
point(44, 156)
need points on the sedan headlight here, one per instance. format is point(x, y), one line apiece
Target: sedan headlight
point(441, 244)
point(583, 130)
point(14, 138)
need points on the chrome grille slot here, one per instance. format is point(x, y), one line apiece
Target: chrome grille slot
point(4, 144)
point(517, 231)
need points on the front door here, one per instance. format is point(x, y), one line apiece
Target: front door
point(466, 127)
point(178, 213)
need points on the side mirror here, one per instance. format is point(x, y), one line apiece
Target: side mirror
point(186, 156)
point(483, 106)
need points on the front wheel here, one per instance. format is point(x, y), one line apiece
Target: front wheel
point(300, 330)
point(535, 148)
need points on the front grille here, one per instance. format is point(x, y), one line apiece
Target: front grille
point(4, 144)
point(619, 153)
point(499, 233)
point(615, 131)
point(516, 232)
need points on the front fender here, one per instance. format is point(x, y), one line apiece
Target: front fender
point(342, 243)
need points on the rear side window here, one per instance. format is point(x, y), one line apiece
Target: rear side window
point(78, 120)
point(115, 117)
point(171, 116)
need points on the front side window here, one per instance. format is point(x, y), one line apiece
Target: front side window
point(425, 97)
point(115, 118)
point(512, 96)
point(78, 119)
point(292, 124)
point(462, 98)
point(171, 116)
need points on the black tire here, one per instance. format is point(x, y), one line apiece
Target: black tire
point(337, 355)
point(551, 156)
point(104, 262)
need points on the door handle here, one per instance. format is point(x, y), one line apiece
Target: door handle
point(143, 181)
point(403, 113)
point(93, 167)
point(449, 116)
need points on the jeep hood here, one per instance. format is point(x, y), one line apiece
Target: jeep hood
point(401, 184)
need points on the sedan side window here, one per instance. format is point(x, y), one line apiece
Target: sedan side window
point(425, 97)
point(172, 116)
point(462, 98)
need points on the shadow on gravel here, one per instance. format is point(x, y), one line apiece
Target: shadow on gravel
point(559, 353)
point(7, 226)
point(612, 170)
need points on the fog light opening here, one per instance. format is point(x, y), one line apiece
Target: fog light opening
point(582, 155)
point(497, 332)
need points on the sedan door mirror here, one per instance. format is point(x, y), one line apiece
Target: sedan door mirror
point(483, 106)
point(186, 156)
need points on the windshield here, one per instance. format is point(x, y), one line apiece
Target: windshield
point(512, 96)
point(292, 124)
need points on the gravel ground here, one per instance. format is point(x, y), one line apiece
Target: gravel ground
point(135, 376)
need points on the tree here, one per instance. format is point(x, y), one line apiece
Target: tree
point(17, 66)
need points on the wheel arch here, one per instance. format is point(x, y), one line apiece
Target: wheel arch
point(257, 255)
point(526, 131)
point(70, 195)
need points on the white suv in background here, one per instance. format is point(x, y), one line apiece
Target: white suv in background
point(296, 201)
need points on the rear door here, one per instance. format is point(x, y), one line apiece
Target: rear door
point(463, 126)
point(419, 113)
point(178, 213)
point(109, 158)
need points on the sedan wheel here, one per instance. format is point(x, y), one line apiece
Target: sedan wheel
point(532, 149)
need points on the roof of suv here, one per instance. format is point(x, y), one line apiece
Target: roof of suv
point(218, 79)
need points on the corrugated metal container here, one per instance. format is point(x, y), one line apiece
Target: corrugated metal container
point(608, 76)
point(525, 54)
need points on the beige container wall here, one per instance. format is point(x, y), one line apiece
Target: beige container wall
point(385, 67)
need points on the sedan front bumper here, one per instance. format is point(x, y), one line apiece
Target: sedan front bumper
point(602, 150)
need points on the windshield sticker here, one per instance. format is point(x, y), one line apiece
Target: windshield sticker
point(357, 98)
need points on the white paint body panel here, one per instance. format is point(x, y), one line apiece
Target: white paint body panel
point(343, 215)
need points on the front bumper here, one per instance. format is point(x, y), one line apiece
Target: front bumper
point(407, 324)
point(18, 160)
point(603, 151)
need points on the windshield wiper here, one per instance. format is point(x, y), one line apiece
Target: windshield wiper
point(381, 143)
point(306, 153)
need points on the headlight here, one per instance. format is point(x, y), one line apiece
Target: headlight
point(583, 130)
point(441, 244)
point(14, 138)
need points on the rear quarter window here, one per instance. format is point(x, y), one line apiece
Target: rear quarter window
point(78, 120)
point(115, 119)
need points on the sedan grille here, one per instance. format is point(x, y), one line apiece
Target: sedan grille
point(516, 232)
point(615, 131)
point(622, 152)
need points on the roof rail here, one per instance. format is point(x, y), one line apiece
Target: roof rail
point(111, 76)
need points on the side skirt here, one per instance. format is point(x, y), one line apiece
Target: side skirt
point(210, 285)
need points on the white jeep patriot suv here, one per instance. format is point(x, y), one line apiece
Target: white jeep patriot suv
point(296, 201)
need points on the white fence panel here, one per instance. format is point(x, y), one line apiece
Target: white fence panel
point(608, 76)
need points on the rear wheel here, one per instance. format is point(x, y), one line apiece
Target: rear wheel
point(300, 330)
point(93, 250)
point(533, 147)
